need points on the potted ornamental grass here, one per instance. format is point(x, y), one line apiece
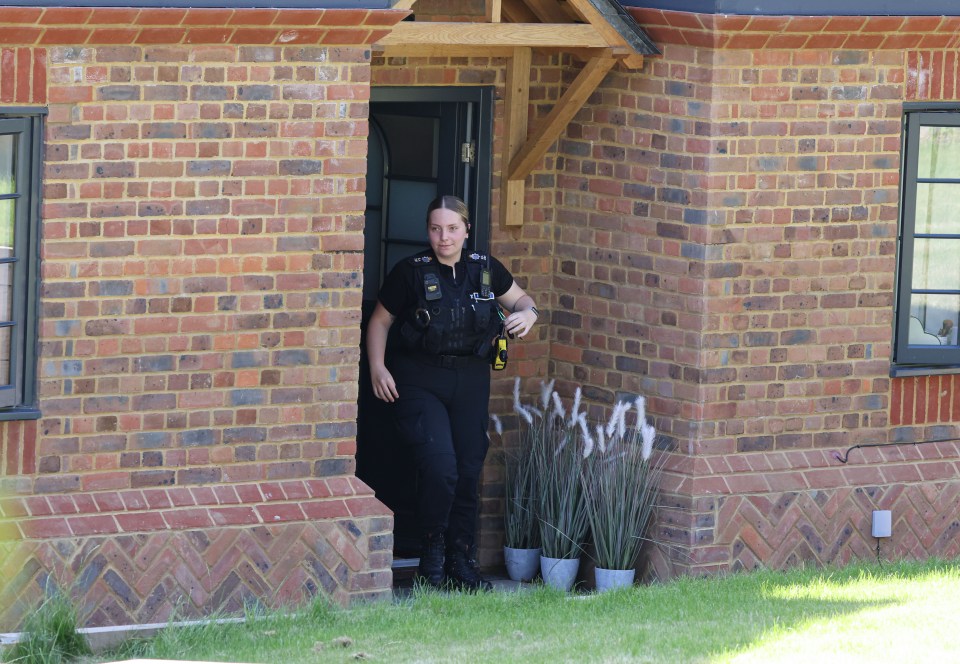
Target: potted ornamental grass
point(521, 550)
point(621, 479)
point(567, 480)
point(560, 507)
point(563, 514)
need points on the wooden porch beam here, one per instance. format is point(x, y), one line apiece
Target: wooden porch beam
point(404, 4)
point(516, 102)
point(572, 35)
point(479, 51)
point(493, 11)
point(586, 54)
point(550, 128)
point(443, 51)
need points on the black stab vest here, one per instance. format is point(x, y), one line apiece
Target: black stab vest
point(458, 322)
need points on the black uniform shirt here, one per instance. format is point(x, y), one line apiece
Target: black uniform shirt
point(401, 287)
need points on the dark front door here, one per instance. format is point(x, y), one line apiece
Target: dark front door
point(424, 142)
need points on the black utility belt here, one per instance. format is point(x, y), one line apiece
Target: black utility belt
point(449, 361)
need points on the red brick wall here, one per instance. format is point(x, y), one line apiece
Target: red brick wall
point(20, 449)
point(772, 195)
point(202, 258)
point(23, 75)
point(925, 400)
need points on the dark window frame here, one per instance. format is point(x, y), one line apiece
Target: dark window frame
point(27, 123)
point(918, 359)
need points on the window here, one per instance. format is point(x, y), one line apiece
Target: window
point(20, 134)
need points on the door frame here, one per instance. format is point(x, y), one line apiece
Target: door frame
point(478, 199)
point(477, 196)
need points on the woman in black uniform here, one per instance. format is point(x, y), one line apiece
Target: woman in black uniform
point(438, 378)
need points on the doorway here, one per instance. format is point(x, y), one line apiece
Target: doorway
point(423, 142)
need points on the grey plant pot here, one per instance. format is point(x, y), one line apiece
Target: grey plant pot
point(559, 573)
point(611, 579)
point(522, 564)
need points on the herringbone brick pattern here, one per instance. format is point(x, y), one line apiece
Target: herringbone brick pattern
point(833, 527)
point(152, 577)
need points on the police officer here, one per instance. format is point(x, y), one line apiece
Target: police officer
point(437, 377)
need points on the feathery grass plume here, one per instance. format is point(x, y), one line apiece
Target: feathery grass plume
point(497, 425)
point(517, 406)
point(612, 422)
point(575, 410)
point(641, 405)
point(616, 424)
point(648, 433)
point(587, 438)
point(525, 415)
point(558, 410)
point(545, 390)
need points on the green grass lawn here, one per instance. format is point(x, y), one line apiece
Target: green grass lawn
point(906, 612)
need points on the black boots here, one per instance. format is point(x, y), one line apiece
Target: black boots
point(450, 566)
point(430, 570)
point(462, 569)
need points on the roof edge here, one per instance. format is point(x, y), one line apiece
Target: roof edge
point(626, 26)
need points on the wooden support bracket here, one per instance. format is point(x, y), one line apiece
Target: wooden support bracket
point(551, 127)
point(516, 103)
point(493, 10)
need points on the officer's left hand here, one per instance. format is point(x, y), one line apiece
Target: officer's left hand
point(520, 322)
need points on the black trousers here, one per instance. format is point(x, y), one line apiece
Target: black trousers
point(442, 416)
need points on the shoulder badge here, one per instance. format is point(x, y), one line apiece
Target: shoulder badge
point(421, 260)
point(477, 257)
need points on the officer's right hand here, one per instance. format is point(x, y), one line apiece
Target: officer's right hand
point(384, 388)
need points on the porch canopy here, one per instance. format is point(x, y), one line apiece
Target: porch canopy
point(598, 32)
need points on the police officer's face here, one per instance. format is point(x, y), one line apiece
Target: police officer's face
point(447, 233)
